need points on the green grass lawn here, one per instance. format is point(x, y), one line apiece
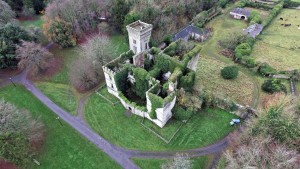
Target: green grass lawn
point(198, 163)
point(279, 46)
point(37, 22)
point(61, 94)
point(109, 121)
point(209, 77)
point(63, 147)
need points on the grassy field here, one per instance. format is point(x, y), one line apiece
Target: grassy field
point(278, 45)
point(211, 62)
point(198, 163)
point(223, 26)
point(209, 77)
point(61, 94)
point(63, 147)
point(109, 121)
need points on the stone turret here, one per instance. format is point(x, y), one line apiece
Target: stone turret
point(139, 34)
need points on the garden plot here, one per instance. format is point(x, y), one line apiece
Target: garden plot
point(279, 45)
point(209, 77)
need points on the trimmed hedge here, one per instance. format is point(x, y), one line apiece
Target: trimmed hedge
point(273, 13)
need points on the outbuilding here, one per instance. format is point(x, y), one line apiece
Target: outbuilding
point(240, 13)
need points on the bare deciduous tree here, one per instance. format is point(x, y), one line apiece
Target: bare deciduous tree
point(98, 49)
point(21, 133)
point(33, 56)
point(6, 13)
point(262, 153)
point(83, 75)
point(181, 161)
point(80, 13)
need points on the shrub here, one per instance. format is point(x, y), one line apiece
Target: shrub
point(273, 86)
point(154, 51)
point(242, 50)
point(230, 72)
point(249, 62)
point(83, 75)
point(223, 3)
point(171, 49)
point(155, 72)
point(182, 114)
point(167, 39)
point(232, 41)
point(255, 17)
point(187, 82)
point(266, 70)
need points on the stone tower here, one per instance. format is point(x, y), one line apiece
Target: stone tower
point(139, 34)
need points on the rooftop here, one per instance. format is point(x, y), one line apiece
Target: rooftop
point(187, 30)
point(242, 11)
point(139, 25)
point(253, 30)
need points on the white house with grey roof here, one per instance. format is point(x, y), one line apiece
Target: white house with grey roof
point(240, 13)
point(191, 32)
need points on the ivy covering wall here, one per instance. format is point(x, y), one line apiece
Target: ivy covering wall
point(121, 79)
point(156, 102)
point(141, 85)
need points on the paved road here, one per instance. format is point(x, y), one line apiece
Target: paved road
point(120, 155)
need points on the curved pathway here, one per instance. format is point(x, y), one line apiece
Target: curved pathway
point(120, 155)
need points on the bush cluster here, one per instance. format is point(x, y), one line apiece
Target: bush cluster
point(182, 114)
point(230, 72)
point(255, 17)
point(187, 82)
point(273, 86)
point(266, 70)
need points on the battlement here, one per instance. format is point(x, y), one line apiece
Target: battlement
point(139, 27)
